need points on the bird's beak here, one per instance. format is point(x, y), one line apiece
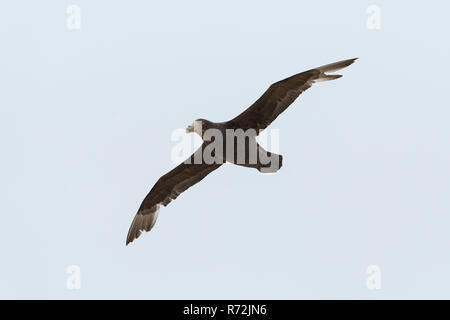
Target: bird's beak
point(190, 129)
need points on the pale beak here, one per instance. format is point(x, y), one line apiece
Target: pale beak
point(190, 129)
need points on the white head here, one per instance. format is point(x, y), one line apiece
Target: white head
point(198, 126)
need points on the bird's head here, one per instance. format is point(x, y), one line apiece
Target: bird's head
point(199, 126)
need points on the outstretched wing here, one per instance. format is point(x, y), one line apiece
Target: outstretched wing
point(168, 188)
point(282, 94)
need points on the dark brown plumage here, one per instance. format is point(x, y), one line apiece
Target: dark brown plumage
point(281, 94)
point(168, 188)
point(258, 116)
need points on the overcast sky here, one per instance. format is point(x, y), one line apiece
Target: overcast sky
point(86, 118)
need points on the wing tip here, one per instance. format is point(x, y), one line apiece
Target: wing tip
point(336, 65)
point(144, 220)
point(322, 76)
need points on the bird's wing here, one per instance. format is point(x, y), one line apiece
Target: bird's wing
point(281, 94)
point(168, 188)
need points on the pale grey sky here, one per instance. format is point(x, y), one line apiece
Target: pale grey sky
point(86, 118)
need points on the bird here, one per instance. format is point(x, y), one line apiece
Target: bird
point(276, 99)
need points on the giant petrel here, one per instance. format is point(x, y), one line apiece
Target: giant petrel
point(256, 118)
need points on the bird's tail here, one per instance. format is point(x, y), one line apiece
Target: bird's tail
point(331, 68)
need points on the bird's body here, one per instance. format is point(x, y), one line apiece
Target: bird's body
point(233, 141)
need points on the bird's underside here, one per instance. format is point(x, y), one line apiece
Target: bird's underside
point(258, 116)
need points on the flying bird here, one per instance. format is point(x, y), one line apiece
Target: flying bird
point(277, 98)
